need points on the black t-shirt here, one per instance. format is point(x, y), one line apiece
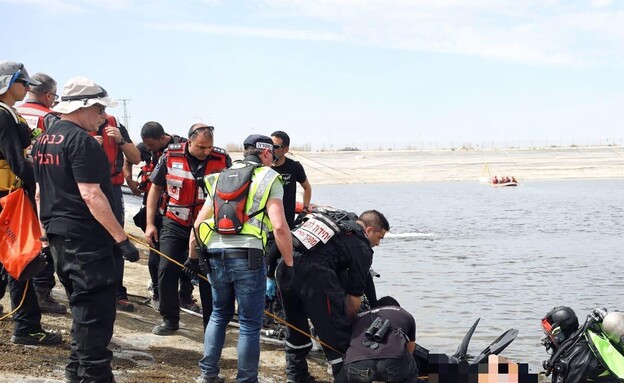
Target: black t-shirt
point(14, 138)
point(393, 345)
point(292, 172)
point(66, 155)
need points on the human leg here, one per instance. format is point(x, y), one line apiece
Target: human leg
point(222, 313)
point(298, 346)
point(44, 283)
point(121, 293)
point(174, 244)
point(249, 287)
point(88, 273)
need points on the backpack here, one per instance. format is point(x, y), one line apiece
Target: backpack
point(230, 198)
point(318, 227)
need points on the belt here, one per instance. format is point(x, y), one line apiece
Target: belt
point(229, 254)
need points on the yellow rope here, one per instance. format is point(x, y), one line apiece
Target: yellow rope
point(142, 243)
point(20, 304)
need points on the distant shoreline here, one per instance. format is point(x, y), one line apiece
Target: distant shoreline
point(403, 166)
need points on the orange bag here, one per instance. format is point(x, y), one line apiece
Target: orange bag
point(19, 234)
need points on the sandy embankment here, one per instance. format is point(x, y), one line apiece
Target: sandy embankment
point(458, 165)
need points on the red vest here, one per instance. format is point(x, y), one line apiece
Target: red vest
point(113, 151)
point(34, 113)
point(185, 197)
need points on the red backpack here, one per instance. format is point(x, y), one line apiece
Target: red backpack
point(230, 199)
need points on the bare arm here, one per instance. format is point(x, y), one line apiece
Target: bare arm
point(151, 207)
point(307, 192)
point(205, 213)
point(352, 304)
point(38, 203)
point(132, 184)
point(101, 210)
point(132, 153)
point(283, 238)
point(411, 346)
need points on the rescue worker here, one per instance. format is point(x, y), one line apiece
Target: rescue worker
point(573, 360)
point(292, 173)
point(317, 293)
point(154, 142)
point(36, 111)
point(15, 172)
point(181, 170)
point(75, 193)
point(235, 261)
point(116, 142)
point(382, 342)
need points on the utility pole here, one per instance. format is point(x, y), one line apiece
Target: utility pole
point(125, 117)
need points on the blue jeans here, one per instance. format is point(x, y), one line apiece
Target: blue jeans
point(231, 279)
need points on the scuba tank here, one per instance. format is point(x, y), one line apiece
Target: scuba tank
point(613, 328)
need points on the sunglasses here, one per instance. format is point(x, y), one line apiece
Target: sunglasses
point(24, 82)
point(100, 108)
point(196, 131)
point(275, 147)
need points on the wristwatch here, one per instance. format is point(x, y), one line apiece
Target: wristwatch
point(122, 142)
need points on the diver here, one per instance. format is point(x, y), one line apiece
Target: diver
point(590, 353)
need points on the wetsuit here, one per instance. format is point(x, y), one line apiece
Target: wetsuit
point(386, 360)
point(579, 365)
point(316, 293)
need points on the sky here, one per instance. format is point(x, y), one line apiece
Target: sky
point(334, 73)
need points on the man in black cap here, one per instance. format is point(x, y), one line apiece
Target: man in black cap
point(15, 172)
point(244, 203)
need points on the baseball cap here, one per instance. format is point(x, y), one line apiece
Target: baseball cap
point(11, 71)
point(81, 92)
point(258, 141)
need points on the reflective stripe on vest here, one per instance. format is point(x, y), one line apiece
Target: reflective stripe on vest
point(258, 226)
point(185, 197)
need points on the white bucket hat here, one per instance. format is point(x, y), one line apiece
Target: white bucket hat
point(11, 71)
point(80, 92)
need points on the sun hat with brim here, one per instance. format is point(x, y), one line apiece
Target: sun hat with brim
point(80, 92)
point(10, 72)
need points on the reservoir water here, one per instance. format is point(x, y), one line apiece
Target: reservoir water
point(460, 251)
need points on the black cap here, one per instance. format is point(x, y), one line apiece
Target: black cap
point(258, 141)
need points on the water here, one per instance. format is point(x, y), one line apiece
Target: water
point(460, 251)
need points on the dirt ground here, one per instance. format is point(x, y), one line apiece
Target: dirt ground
point(139, 356)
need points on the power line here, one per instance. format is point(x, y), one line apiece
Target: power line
point(126, 116)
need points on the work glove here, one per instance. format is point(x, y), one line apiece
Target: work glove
point(271, 288)
point(191, 267)
point(128, 251)
point(46, 254)
point(598, 314)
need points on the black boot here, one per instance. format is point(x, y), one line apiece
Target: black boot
point(47, 304)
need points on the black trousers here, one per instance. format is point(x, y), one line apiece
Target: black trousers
point(397, 370)
point(314, 293)
point(87, 271)
point(27, 319)
point(174, 239)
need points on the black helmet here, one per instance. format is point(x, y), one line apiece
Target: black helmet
point(559, 324)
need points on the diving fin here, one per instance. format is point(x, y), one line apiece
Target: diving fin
point(497, 346)
point(462, 349)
